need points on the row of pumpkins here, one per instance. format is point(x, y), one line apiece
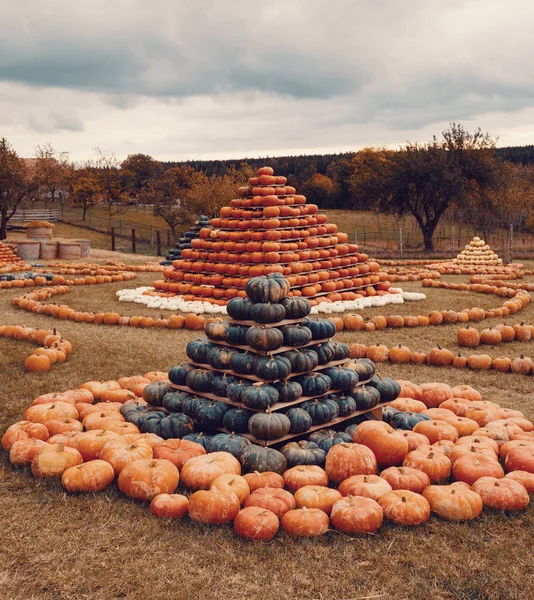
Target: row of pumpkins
point(400, 475)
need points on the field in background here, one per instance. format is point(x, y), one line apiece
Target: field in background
point(377, 234)
point(106, 546)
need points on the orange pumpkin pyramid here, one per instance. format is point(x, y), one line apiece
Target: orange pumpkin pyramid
point(7, 256)
point(272, 229)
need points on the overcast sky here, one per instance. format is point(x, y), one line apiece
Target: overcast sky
point(181, 79)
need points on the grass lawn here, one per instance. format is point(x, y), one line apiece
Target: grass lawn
point(105, 546)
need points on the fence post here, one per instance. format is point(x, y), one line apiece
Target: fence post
point(511, 241)
point(133, 242)
point(168, 237)
point(151, 236)
point(113, 239)
point(158, 243)
point(355, 236)
point(400, 242)
point(452, 231)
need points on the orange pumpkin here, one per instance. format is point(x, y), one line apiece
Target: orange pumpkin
point(455, 502)
point(144, 479)
point(305, 522)
point(317, 496)
point(268, 479)
point(406, 478)
point(344, 460)
point(276, 500)
point(119, 453)
point(169, 506)
point(355, 514)
point(405, 507)
point(54, 460)
point(256, 523)
point(178, 451)
point(92, 476)
point(212, 507)
point(199, 472)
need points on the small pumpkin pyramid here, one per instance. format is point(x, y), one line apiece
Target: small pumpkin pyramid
point(477, 253)
point(271, 229)
point(7, 256)
point(266, 376)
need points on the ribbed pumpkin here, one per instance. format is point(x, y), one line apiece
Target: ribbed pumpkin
point(260, 459)
point(303, 453)
point(264, 339)
point(259, 397)
point(269, 426)
point(272, 288)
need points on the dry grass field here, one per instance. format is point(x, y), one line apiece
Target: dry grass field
point(105, 546)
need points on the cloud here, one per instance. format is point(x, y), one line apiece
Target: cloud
point(242, 76)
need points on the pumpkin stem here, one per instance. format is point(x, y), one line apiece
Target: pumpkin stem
point(403, 498)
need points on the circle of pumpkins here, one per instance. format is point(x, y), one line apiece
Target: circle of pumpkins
point(440, 449)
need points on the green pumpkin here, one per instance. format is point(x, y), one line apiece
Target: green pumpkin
point(407, 420)
point(341, 351)
point(199, 380)
point(267, 313)
point(219, 358)
point(155, 392)
point(135, 414)
point(272, 368)
point(303, 453)
point(243, 363)
point(264, 339)
point(175, 425)
point(389, 389)
point(217, 330)
point(269, 426)
point(190, 404)
point(342, 379)
point(197, 350)
point(289, 390)
point(388, 412)
point(220, 383)
point(261, 459)
point(228, 442)
point(236, 420)
point(210, 414)
point(201, 438)
point(302, 361)
point(366, 397)
point(235, 390)
point(320, 328)
point(236, 334)
point(321, 411)
point(364, 368)
point(300, 420)
point(267, 289)
point(325, 352)
point(347, 404)
point(172, 401)
point(259, 397)
point(239, 309)
point(296, 308)
point(314, 384)
point(178, 373)
point(327, 438)
point(296, 335)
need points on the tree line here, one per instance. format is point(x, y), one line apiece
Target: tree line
point(461, 175)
